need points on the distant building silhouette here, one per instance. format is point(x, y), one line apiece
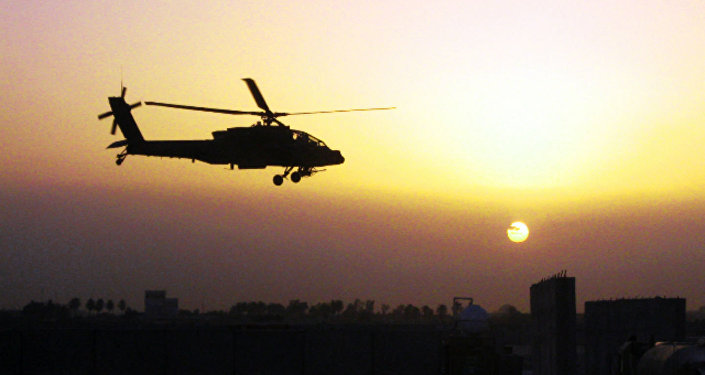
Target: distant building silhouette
point(553, 314)
point(156, 305)
point(611, 323)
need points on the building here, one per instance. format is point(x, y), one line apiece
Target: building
point(553, 315)
point(156, 305)
point(611, 323)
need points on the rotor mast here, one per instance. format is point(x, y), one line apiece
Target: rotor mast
point(267, 116)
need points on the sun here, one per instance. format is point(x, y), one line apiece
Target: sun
point(518, 232)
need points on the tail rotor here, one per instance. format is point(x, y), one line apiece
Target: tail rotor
point(122, 117)
point(101, 116)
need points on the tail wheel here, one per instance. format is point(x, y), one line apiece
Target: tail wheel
point(295, 177)
point(278, 180)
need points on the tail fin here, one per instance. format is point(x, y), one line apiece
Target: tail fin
point(121, 111)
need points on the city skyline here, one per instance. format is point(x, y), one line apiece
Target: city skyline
point(585, 121)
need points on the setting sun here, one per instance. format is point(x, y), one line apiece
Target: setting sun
point(518, 232)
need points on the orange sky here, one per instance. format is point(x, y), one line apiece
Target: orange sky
point(583, 120)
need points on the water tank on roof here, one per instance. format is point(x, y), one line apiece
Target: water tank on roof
point(673, 358)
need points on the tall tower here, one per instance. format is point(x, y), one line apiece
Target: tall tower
point(553, 315)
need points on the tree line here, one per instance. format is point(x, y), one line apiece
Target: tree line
point(295, 311)
point(98, 305)
point(338, 311)
point(56, 311)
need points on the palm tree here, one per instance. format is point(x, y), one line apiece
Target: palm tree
point(296, 309)
point(90, 305)
point(110, 306)
point(74, 304)
point(122, 305)
point(353, 309)
point(99, 305)
point(411, 312)
point(426, 312)
point(337, 306)
point(321, 311)
point(442, 311)
point(369, 306)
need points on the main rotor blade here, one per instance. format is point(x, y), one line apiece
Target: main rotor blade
point(104, 115)
point(336, 111)
point(205, 109)
point(259, 99)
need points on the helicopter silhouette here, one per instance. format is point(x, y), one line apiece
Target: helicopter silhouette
point(268, 142)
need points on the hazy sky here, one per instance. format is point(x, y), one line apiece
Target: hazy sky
point(583, 119)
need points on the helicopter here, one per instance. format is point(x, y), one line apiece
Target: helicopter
point(268, 142)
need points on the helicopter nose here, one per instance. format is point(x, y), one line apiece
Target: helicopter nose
point(338, 157)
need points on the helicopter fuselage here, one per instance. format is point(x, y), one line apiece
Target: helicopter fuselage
point(252, 147)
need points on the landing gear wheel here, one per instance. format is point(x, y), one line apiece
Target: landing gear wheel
point(121, 157)
point(278, 180)
point(295, 177)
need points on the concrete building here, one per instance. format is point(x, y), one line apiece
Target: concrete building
point(553, 314)
point(156, 305)
point(610, 323)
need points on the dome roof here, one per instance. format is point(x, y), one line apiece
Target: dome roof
point(473, 319)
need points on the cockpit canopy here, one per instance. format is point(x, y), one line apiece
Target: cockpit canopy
point(305, 137)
